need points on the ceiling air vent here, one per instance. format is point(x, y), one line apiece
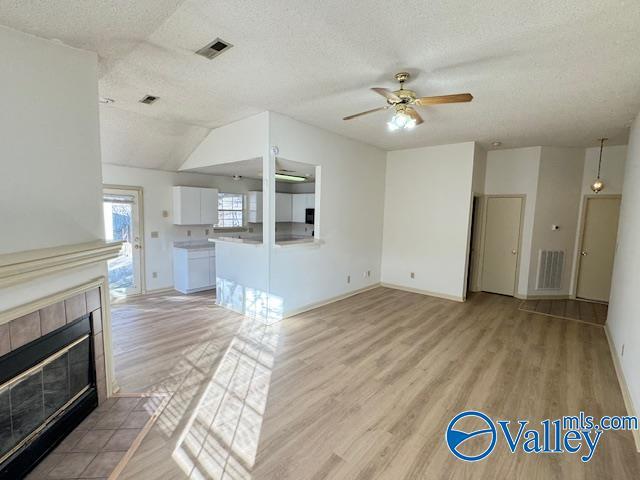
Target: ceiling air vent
point(214, 49)
point(148, 99)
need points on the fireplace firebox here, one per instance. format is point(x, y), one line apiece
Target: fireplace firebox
point(47, 387)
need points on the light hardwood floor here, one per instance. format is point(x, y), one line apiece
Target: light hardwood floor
point(360, 389)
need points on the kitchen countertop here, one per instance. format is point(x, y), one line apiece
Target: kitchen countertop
point(195, 245)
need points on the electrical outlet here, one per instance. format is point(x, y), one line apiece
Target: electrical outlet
point(413, 275)
point(165, 213)
point(348, 278)
point(154, 274)
point(188, 233)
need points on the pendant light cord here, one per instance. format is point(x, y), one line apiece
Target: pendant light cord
point(600, 160)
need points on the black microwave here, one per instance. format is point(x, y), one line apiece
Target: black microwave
point(310, 216)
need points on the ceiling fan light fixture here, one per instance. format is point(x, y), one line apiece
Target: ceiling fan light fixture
point(401, 120)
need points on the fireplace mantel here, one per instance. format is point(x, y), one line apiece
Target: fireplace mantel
point(24, 266)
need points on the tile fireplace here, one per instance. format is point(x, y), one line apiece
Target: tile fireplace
point(52, 375)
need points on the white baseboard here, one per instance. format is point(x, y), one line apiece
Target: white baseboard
point(423, 292)
point(626, 395)
point(526, 296)
point(313, 306)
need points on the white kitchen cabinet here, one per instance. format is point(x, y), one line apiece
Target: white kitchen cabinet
point(283, 207)
point(255, 207)
point(310, 199)
point(195, 206)
point(209, 206)
point(300, 203)
point(299, 206)
point(194, 270)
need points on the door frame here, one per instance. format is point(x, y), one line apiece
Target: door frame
point(483, 231)
point(139, 191)
point(580, 239)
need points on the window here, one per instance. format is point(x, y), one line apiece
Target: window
point(230, 210)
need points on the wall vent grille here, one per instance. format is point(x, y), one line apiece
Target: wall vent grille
point(550, 267)
point(148, 99)
point(214, 48)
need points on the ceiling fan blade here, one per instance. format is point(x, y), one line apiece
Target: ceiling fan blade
point(460, 97)
point(415, 115)
point(388, 94)
point(365, 113)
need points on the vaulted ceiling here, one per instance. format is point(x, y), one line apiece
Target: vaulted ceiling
point(542, 73)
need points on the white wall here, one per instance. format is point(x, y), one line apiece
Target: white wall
point(515, 171)
point(241, 140)
point(557, 203)
point(50, 150)
point(427, 212)
point(350, 196)
point(50, 146)
point(623, 322)
point(157, 196)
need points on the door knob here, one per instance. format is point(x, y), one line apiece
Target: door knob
point(137, 246)
point(513, 252)
point(583, 253)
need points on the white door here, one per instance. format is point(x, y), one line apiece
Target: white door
point(501, 241)
point(122, 222)
point(598, 248)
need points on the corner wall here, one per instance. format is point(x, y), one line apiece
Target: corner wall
point(428, 196)
point(623, 323)
point(557, 203)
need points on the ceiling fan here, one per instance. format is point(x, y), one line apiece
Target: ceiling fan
point(403, 102)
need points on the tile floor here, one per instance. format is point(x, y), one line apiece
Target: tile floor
point(102, 441)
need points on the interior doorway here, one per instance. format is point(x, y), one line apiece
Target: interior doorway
point(597, 247)
point(501, 245)
point(122, 214)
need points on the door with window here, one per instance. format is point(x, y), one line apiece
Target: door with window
point(122, 223)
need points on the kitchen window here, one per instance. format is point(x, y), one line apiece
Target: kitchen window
point(230, 210)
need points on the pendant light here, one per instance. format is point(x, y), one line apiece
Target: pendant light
point(598, 184)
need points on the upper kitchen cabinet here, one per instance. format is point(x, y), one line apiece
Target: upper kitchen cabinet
point(300, 203)
point(195, 206)
point(255, 207)
point(283, 207)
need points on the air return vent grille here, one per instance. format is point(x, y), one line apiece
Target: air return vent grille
point(214, 49)
point(148, 99)
point(550, 267)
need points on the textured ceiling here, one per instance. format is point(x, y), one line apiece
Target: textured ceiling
point(542, 73)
